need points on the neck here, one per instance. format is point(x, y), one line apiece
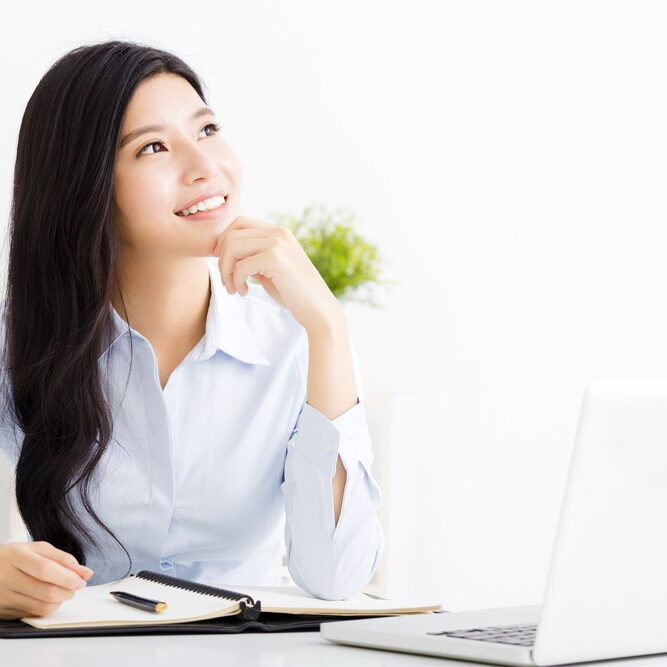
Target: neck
point(165, 300)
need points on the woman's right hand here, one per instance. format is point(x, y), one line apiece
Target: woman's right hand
point(35, 578)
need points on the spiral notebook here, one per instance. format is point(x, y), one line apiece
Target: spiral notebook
point(196, 607)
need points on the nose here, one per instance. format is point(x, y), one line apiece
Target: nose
point(200, 164)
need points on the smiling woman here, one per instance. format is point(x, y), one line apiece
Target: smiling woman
point(153, 401)
point(155, 176)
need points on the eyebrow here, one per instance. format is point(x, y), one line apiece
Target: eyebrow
point(159, 128)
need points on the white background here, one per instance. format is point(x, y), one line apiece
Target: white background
point(509, 159)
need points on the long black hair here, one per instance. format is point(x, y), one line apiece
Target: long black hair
point(63, 263)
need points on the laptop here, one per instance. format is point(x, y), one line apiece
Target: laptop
point(606, 590)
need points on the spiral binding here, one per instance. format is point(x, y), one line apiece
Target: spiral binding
point(249, 613)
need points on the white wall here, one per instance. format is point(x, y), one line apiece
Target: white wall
point(509, 159)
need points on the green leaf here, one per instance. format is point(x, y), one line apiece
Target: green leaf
point(344, 259)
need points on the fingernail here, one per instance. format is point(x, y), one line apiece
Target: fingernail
point(81, 583)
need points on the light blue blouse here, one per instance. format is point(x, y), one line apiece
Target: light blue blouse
point(202, 480)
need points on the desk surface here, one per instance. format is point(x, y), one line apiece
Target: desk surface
point(271, 649)
point(257, 649)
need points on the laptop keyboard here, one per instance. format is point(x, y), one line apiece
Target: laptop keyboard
point(520, 635)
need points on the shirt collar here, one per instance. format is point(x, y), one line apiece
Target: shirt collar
point(226, 326)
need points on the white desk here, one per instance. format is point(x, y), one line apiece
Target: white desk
point(285, 649)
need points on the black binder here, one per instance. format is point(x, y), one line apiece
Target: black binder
point(251, 618)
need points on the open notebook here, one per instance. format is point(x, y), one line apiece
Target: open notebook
point(94, 607)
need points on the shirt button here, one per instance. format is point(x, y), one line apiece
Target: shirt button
point(330, 445)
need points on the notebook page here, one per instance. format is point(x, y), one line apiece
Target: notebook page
point(293, 598)
point(93, 605)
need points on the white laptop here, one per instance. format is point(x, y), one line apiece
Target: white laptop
point(606, 592)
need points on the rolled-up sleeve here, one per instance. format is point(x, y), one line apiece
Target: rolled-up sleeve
point(331, 560)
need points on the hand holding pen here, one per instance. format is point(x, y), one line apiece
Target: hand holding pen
point(36, 577)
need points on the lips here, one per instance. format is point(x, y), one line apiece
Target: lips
point(201, 197)
point(205, 214)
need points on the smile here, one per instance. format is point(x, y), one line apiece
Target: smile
point(203, 205)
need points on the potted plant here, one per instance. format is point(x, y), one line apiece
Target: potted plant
point(345, 260)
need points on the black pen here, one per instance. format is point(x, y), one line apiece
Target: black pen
point(136, 601)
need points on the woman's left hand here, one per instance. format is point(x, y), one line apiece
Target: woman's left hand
point(271, 254)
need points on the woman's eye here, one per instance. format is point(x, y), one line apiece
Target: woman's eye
point(161, 142)
point(215, 126)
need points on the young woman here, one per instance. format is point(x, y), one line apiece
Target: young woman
point(161, 412)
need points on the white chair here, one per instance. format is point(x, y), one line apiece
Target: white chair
point(392, 423)
point(12, 528)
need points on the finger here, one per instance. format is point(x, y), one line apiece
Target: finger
point(62, 557)
point(263, 263)
point(9, 614)
point(28, 606)
point(239, 234)
point(236, 249)
point(38, 590)
point(244, 222)
point(43, 568)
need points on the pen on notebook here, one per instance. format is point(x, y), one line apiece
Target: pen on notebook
point(136, 601)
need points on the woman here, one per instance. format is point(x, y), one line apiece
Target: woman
point(162, 413)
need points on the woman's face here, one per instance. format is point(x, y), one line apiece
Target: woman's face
point(159, 172)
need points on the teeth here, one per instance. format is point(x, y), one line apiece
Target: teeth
point(203, 205)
